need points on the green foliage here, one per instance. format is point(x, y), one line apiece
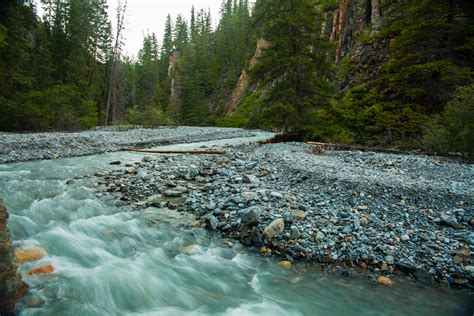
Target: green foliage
point(329, 5)
point(152, 116)
point(295, 66)
point(52, 72)
point(246, 114)
point(430, 54)
point(453, 130)
point(3, 34)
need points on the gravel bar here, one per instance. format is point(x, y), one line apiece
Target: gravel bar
point(16, 147)
point(389, 215)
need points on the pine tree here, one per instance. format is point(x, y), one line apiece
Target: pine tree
point(180, 34)
point(167, 46)
point(295, 66)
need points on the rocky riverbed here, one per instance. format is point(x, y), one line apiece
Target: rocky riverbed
point(15, 147)
point(390, 215)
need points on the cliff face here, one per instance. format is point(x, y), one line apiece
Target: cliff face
point(12, 287)
point(240, 89)
point(352, 27)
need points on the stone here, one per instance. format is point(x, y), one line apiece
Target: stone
point(115, 162)
point(45, 269)
point(390, 260)
point(285, 264)
point(176, 192)
point(276, 227)
point(212, 222)
point(362, 207)
point(385, 281)
point(251, 215)
point(277, 195)
point(12, 288)
point(298, 215)
point(457, 260)
point(363, 221)
point(189, 249)
point(449, 220)
point(405, 237)
point(70, 181)
point(295, 232)
point(250, 196)
point(29, 254)
point(469, 269)
point(193, 172)
point(250, 178)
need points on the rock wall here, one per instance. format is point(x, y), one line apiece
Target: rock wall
point(240, 89)
point(353, 27)
point(12, 288)
point(345, 26)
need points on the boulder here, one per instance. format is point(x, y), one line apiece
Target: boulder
point(276, 227)
point(251, 215)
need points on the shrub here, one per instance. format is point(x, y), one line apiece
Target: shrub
point(453, 130)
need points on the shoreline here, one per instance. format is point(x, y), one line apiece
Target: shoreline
point(389, 215)
point(21, 147)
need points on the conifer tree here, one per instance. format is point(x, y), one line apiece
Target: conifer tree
point(295, 66)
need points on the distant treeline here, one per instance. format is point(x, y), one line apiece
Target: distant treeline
point(66, 71)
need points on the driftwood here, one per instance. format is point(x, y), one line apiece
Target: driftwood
point(319, 148)
point(186, 152)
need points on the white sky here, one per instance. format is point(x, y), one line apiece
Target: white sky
point(150, 15)
point(145, 16)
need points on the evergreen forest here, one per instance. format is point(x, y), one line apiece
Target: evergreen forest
point(405, 81)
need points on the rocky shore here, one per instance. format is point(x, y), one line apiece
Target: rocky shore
point(390, 215)
point(12, 288)
point(16, 147)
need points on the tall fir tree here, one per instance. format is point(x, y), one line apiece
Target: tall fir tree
point(295, 66)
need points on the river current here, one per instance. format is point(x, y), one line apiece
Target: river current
point(110, 260)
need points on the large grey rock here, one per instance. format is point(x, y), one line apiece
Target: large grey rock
point(276, 227)
point(251, 215)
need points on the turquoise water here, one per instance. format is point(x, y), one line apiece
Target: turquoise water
point(111, 261)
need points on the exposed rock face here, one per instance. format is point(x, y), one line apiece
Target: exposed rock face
point(242, 85)
point(343, 25)
point(175, 88)
point(12, 288)
point(360, 18)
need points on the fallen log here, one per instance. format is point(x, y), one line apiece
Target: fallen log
point(185, 152)
point(319, 148)
point(330, 146)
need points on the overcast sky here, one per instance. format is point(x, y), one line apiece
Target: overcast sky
point(145, 16)
point(150, 15)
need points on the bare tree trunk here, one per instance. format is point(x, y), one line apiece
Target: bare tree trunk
point(116, 52)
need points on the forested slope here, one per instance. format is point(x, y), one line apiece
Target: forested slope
point(374, 72)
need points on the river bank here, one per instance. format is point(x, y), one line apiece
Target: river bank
point(17, 147)
point(386, 214)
